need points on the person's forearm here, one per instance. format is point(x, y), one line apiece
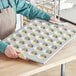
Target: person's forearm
point(43, 15)
point(30, 11)
point(3, 46)
point(8, 50)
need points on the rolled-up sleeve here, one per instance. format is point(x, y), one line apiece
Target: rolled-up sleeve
point(3, 46)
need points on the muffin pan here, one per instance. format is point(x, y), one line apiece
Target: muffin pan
point(48, 6)
point(46, 9)
point(40, 40)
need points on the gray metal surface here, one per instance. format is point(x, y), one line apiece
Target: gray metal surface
point(63, 69)
point(69, 14)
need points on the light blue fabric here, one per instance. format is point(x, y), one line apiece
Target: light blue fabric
point(3, 46)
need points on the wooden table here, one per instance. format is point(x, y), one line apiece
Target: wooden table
point(19, 67)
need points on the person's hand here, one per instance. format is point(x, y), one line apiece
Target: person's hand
point(54, 19)
point(11, 52)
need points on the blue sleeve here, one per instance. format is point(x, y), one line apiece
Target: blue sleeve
point(3, 46)
point(31, 12)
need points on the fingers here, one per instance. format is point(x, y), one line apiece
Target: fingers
point(11, 52)
point(54, 19)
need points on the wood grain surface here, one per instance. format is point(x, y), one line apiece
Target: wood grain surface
point(19, 67)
